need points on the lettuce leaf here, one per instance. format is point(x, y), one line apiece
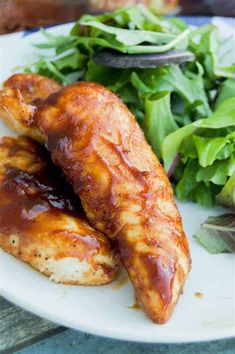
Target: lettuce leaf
point(226, 90)
point(227, 195)
point(207, 156)
point(159, 121)
point(132, 30)
point(215, 52)
point(129, 37)
point(135, 17)
point(223, 117)
point(217, 234)
point(189, 188)
point(218, 172)
point(210, 149)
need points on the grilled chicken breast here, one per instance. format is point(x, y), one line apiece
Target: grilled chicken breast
point(124, 190)
point(41, 221)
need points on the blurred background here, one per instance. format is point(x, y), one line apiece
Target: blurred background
point(16, 15)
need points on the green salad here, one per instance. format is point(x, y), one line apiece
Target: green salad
point(187, 111)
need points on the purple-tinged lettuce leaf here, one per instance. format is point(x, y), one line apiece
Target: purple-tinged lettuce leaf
point(217, 234)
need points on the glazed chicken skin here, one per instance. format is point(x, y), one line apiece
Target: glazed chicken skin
point(124, 190)
point(19, 90)
point(39, 221)
point(33, 87)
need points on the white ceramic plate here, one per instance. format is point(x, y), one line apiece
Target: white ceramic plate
point(104, 310)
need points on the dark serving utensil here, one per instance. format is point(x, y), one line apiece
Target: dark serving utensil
point(125, 61)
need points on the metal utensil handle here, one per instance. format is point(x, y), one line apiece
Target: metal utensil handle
point(125, 61)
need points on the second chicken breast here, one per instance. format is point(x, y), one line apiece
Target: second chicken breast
point(41, 221)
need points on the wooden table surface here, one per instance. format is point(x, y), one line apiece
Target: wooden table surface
point(19, 328)
point(24, 332)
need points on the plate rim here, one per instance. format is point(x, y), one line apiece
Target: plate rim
point(112, 334)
